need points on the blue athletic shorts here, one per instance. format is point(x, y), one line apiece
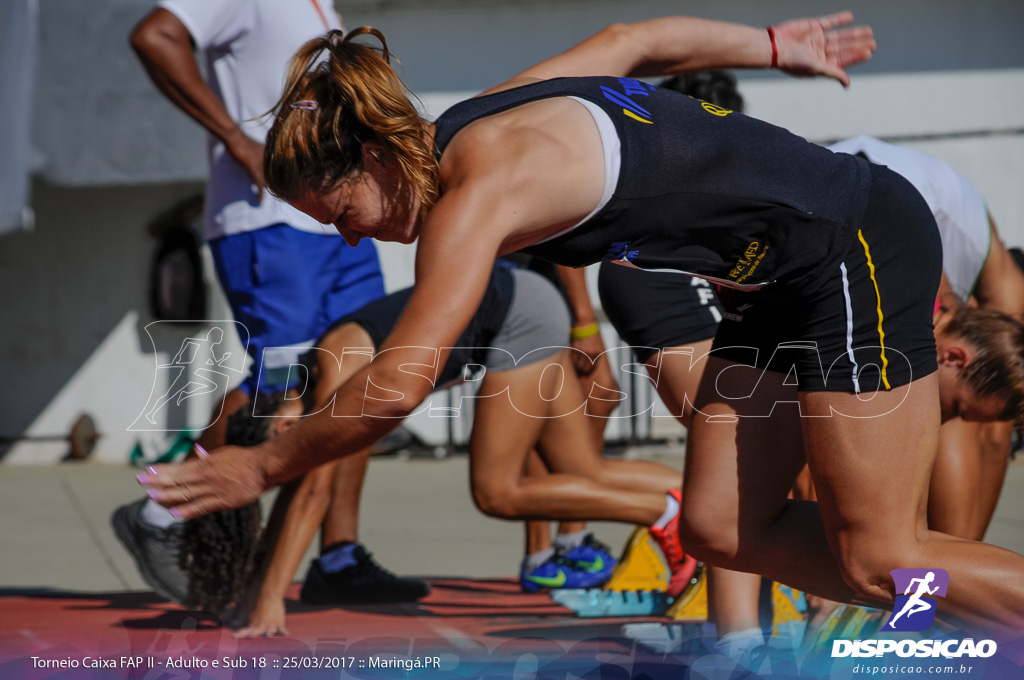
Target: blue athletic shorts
point(286, 286)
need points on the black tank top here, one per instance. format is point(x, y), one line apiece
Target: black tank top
point(701, 189)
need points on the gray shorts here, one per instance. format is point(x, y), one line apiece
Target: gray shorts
point(535, 328)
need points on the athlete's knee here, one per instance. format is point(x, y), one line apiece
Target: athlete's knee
point(866, 560)
point(602, 397)
point(706, 535)
point(344, 350)
point(495, 499)
point(598, 407)
point(603, 471)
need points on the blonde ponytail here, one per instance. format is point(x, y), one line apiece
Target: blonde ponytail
point(332, 106)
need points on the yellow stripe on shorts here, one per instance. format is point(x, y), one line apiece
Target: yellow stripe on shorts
point(881, 333)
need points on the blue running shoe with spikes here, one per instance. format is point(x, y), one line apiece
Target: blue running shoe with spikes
point(588, 565)
point(555, 573)
point(593, 557)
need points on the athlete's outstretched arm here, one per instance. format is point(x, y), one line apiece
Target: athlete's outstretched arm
point(806, 47)
point(453, 268)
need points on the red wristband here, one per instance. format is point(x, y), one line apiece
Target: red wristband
point(775, 50)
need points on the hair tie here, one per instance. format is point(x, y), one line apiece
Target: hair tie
point(305, 105)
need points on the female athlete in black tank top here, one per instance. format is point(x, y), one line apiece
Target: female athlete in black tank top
point(844, 249)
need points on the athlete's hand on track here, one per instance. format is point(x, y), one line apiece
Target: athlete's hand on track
point(590, 350)
point(267, 619)
point(234, 476)
point(810, 47)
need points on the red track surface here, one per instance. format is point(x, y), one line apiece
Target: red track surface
point(477, 620)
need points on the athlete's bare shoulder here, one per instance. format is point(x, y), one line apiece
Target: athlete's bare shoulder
point(540, 163)
point(510, 84)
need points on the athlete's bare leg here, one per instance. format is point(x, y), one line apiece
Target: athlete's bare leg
point(870, 516)
point(732, 596)
point(601, 389)
point(342, 521)
point(676, 373)
point(599, 386)
point(740, 466)
point(873, 503)
point(349, 473)
point(504, 433)
point(954, 501)
point(538, 532)
point(995, 459)
point(818, 608)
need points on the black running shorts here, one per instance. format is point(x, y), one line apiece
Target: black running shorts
point(655, 310)
point(379, 317)
point(869, 326)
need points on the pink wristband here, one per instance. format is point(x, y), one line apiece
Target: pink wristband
point(775, 50)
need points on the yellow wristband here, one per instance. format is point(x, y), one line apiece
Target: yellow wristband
point(581, 332)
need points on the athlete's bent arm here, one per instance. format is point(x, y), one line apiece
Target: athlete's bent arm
point(1001, 283)
point(164, 46)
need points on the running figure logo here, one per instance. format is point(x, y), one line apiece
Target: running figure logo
point(200, 366)
point(914, 610)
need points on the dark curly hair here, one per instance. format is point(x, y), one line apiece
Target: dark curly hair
point(714, 87)
point(220, 551)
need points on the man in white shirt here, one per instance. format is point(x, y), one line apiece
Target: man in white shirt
point(285, 275)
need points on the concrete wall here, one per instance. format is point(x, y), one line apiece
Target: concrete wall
point(74, 296)
point(472, 44)
point(73, 291)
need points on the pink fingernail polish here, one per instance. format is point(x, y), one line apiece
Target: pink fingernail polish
point(154, 494)
point(201, 451)
point(152, 470)
point(142, 479)
point(176, 514)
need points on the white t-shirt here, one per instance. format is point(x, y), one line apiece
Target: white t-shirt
point(248, 44)
point(958, 207)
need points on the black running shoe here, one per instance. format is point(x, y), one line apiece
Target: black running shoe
point(156, 551)
point(360, 580)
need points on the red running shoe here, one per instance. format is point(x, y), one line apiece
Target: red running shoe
point(680, 564)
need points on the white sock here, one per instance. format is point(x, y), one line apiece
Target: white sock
point(671, 510)
point(738, 645)
point(157, 515)
point(569, 541)
point(534, 560)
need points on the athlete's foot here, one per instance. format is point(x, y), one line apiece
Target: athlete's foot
point(156, 549)
point(347, 574)
point(740, 654)
point(818, 611)
point(666, 535)
point(560, 572)
point(593, 557)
